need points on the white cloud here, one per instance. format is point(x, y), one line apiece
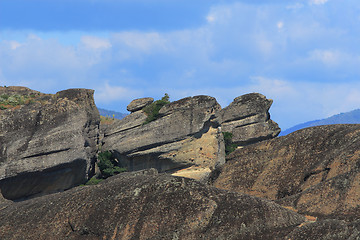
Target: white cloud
point(109, 93)
point(317, 2)
point(264, 44)
point(14, 44)
point(210, 18)
point(95, 42)
point(220, 14)
point(295, 6)
point(328, 57)
point(236, 42)
point(144, 42)
point(333, 57)
point(32, 36)
point(280, 25)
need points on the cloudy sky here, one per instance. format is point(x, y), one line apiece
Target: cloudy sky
point(303, 54)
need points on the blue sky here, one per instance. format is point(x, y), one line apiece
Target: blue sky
point(305, 54)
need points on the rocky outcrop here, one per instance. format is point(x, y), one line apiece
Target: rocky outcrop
point(188, 134)
point(248, 119)
point(53, 139)
point(327, 229)
point(184, 135)
point(315, 171)
point(147, 206)
point(48, 143)
point(139, 104)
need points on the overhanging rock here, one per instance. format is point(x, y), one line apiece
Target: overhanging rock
point(47, 143)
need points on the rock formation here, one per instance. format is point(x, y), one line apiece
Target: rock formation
point(248, 119)
point(139, 104)
point(188, 133)
point(184, 135)
point(304, 185)
point(315, 171)
point(147, 206)
point(48, 142)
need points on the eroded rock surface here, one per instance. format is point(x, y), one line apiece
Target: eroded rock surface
point(147, 206)
point(47, 144)
point(314, 170)
point(188, 134)
point(248, 119)
point(330, 229)
point(184, 135)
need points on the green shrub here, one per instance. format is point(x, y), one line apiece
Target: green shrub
point(93, 181)
point(108, 165)
point(13, 100)
point(152, 110)
point(4, 97)
point(229, 145)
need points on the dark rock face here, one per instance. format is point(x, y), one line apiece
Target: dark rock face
point(327, 229)
point(147, 206)
point(248, 119)
point(314, 170)
point(48, 144)
point(139, 104)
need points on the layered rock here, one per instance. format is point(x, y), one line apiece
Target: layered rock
point(315, 171)
point(248, 119)
point(184, 135)
point(147, 206)
point(47, 144)
point(188, 133)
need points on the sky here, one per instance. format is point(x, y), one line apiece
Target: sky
point(303, 54)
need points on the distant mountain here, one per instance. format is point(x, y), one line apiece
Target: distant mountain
point(109, 113)
point(352, 117)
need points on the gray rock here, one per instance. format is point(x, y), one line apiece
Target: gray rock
point(315, 170)
point(248, 119)
point(184, 135)
point(139, 104)
point(147, 206)
point(188, 133)
point(48, 144)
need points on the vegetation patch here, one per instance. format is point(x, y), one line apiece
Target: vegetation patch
point(93, 181)
point(106, 120)
point(108, 166)
point(152, 110)
point(10, 101)
point(229, 145)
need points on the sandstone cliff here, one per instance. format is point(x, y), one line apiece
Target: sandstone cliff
point(48, 142)
point(316, 171)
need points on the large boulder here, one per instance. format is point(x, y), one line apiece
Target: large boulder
point(247, 118)
point(315, 171)
point(139, 104)
point(147, 206)
point(184, 135)
point(48, 142)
